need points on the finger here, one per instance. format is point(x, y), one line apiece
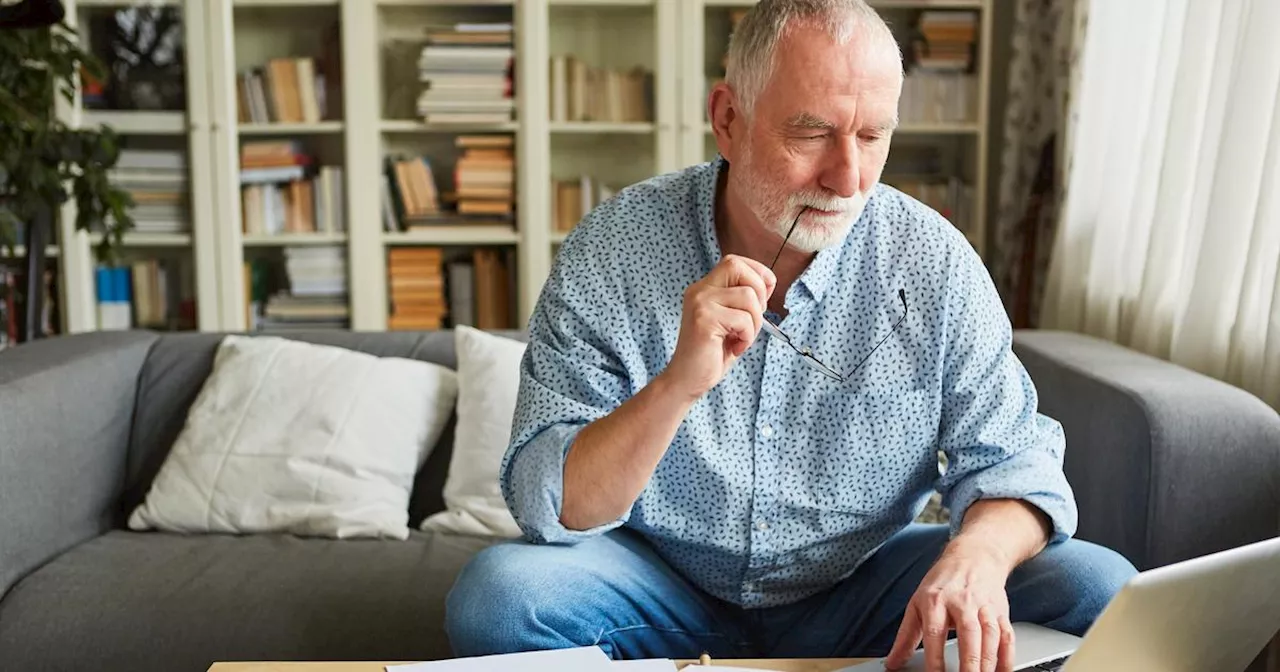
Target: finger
point(969, 634)
point(739, 298)
point(740, 330)
point(770, 280)
point(935, 637)
point(734, 271)
point(990, 638)
point(1006, 645)
point(909, 634)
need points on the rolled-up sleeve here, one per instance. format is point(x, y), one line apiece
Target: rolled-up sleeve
point(568, 379)
point(998, 445)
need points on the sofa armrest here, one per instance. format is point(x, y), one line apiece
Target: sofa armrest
point(66, 410)
point(1166, 464)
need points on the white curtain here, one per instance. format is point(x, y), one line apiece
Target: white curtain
point(1169, 238)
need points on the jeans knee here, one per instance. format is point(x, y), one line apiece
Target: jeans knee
point(1098, 574)
point(482, 599)
point(505, 601)
point(1067, 586)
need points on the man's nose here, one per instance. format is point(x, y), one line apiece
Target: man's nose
point(841, 175)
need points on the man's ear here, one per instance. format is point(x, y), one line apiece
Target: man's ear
point(724, 112)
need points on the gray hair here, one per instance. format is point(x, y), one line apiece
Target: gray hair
point(752, 45)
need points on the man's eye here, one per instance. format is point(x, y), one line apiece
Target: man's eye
point(813, 137)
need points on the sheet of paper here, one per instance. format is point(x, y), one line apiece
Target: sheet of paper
point(649, 665)
point(583, 659)
point(724, 668)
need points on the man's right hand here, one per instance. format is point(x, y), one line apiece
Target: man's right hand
point(722, 315)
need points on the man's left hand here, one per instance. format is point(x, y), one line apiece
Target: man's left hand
point(964, 591)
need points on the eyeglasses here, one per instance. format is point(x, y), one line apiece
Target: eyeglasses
point(806, 354)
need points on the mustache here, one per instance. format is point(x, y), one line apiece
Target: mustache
point(823, 201)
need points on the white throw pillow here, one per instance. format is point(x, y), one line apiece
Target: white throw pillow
point(488, 382)
point(299, 438)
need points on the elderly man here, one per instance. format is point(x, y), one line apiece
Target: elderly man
point(738, 380)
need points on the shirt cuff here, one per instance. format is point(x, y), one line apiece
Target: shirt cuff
point(996, 483)
point(533, 487)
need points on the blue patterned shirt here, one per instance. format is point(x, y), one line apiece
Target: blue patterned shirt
point(780, 481)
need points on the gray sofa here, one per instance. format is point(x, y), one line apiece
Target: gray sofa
point(1166, 464)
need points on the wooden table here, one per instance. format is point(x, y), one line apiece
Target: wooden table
point(781, 665)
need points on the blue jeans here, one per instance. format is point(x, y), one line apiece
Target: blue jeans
point(614, 592)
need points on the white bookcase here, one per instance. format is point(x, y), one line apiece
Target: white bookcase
point(679, 41)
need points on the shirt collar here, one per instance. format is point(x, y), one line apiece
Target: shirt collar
point(815, 279)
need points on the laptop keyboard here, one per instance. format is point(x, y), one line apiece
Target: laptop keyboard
point(1050, 666)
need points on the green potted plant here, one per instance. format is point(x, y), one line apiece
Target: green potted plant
point(43, 162)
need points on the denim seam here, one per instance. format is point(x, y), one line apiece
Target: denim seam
point(608, 633)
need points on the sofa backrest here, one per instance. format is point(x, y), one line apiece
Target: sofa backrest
point(178, 365)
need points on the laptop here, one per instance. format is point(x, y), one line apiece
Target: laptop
point(1215, 612)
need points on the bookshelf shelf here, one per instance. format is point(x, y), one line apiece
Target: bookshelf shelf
point(412, 126)
point(21, 251)
point(954, 128)
point(463, 234)
point(444, 3)
point(557, 237)
point(138, 123)
point(600, 3)
point(291, 239)
point(286, 3)
point(136, 239)
point(278, 128)
point(602, 127)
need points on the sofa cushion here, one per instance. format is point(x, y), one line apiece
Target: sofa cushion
point(176, 369)
point(298, 437)
point(488, 384)
point(157, 601)
point(178, 365)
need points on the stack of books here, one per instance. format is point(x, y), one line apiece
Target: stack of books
point(583, 93)
point(573, 199)
point(467, 70)
point(940, 86)
point(416, 279)
point(946, 40)
point(286, 90)
point(410, 198)
point(157, 181)
point(282, 193)
point(484, 178)
point(145, 294)
point(317, 295)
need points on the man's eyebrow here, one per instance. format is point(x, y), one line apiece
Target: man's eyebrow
point(887, 127)
point(809, 121)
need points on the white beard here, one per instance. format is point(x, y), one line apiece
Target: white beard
point(824, 225)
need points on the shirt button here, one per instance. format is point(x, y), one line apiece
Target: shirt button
point(766, 431)
point(762, 526)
